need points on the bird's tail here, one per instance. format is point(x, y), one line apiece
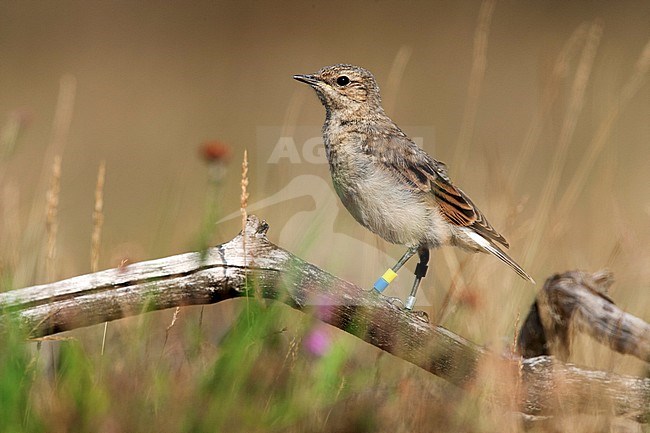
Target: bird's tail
point(489, 247)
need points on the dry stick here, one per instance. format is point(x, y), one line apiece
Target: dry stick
point(51, 220)
point(244, 213)
point(244, 196)
point(515, 337)
point(98, 217)
point(51, 230)
point(98, 223)
point(220, 274)
point(167, 329)
point(578, 301)
point(475, 82)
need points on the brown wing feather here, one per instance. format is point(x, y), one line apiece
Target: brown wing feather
point(459, 209)
point(427, 175)
point(483, 226)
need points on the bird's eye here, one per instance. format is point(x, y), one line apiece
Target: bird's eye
point(342, 80)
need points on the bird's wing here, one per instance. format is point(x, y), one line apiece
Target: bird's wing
point(406, 161)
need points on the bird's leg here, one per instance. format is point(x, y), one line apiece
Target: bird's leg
point(383, 281)
point(420, 272)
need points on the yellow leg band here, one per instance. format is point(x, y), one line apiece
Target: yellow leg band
point(384, 280)
point(389, 275)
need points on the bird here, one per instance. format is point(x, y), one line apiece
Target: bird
point(389, 184)
point(318, 220)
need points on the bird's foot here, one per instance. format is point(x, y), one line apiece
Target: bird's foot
point(397, 302)
point(422, 315)
point(390, 299)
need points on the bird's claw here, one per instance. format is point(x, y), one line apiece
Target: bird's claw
point(397, 302)
point(392, 300)
point(422, 315)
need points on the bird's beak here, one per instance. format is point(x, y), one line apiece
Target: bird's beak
point(308, 79)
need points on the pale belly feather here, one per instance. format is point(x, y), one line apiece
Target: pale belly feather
point(397, 214)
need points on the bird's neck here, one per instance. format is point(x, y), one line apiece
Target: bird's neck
point(344, 118)
point(344, 134)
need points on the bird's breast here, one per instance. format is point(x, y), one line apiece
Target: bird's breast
point(383, 204)
point(377, 199)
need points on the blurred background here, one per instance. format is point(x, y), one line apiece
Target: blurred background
point(541, 109)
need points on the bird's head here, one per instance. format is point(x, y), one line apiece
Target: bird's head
point(345, 88)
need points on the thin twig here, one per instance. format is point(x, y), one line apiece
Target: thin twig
point(51, 220)
point(96, 237)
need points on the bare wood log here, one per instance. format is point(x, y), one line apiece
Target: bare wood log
point(578, 301)
point(571, 390)
point(231, 270)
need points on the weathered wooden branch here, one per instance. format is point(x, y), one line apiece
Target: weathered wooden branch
point(251, 265)
point(578, 301)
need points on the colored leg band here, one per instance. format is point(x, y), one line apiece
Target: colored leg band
point(384, 280)
point(410, 303)
point(421, 270)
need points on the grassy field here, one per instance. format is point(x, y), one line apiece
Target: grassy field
point(540, 110)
